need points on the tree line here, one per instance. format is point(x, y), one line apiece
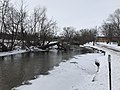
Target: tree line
point(79, 37)
point(20, 28)
point(111, 26)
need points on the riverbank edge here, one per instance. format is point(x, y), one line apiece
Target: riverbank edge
point(3, 54)
point(71, 69)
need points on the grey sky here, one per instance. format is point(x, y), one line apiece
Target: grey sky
point(77, 13)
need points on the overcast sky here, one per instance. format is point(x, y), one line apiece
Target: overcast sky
point(77, 13)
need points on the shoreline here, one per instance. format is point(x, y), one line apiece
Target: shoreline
point(80, 67)
point(3, 54)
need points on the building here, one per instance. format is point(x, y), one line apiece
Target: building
point(106, 39)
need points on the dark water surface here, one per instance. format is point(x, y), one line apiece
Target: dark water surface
point(21, 67)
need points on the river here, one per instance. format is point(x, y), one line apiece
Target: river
point(22, 67)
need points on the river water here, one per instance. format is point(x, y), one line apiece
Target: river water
point(21, 67)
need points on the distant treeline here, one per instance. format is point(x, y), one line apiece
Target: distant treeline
point(111, 27)
point(20, 28)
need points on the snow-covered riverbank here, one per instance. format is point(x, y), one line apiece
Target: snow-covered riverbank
point(78, 73)
point(113, 50)
point(12, 52)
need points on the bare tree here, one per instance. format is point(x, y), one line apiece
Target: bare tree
point(68, 33)
point(35, 22)
point(13, 25)
point(77, 39)
point(18, 28)
point(42, 28)
point(4, 8)
point(47, 31)
point(23, 16)
point(88, 35)
point(115, 20)
point(108, 31)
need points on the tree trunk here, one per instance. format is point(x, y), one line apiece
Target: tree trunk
point(118, 41)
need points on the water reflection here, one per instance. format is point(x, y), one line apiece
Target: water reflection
point(21, 67)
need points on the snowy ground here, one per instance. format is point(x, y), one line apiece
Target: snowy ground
point(78, 73)
point(114, 51)
point(12, 52)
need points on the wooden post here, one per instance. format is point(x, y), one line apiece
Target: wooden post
point(109, 65)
